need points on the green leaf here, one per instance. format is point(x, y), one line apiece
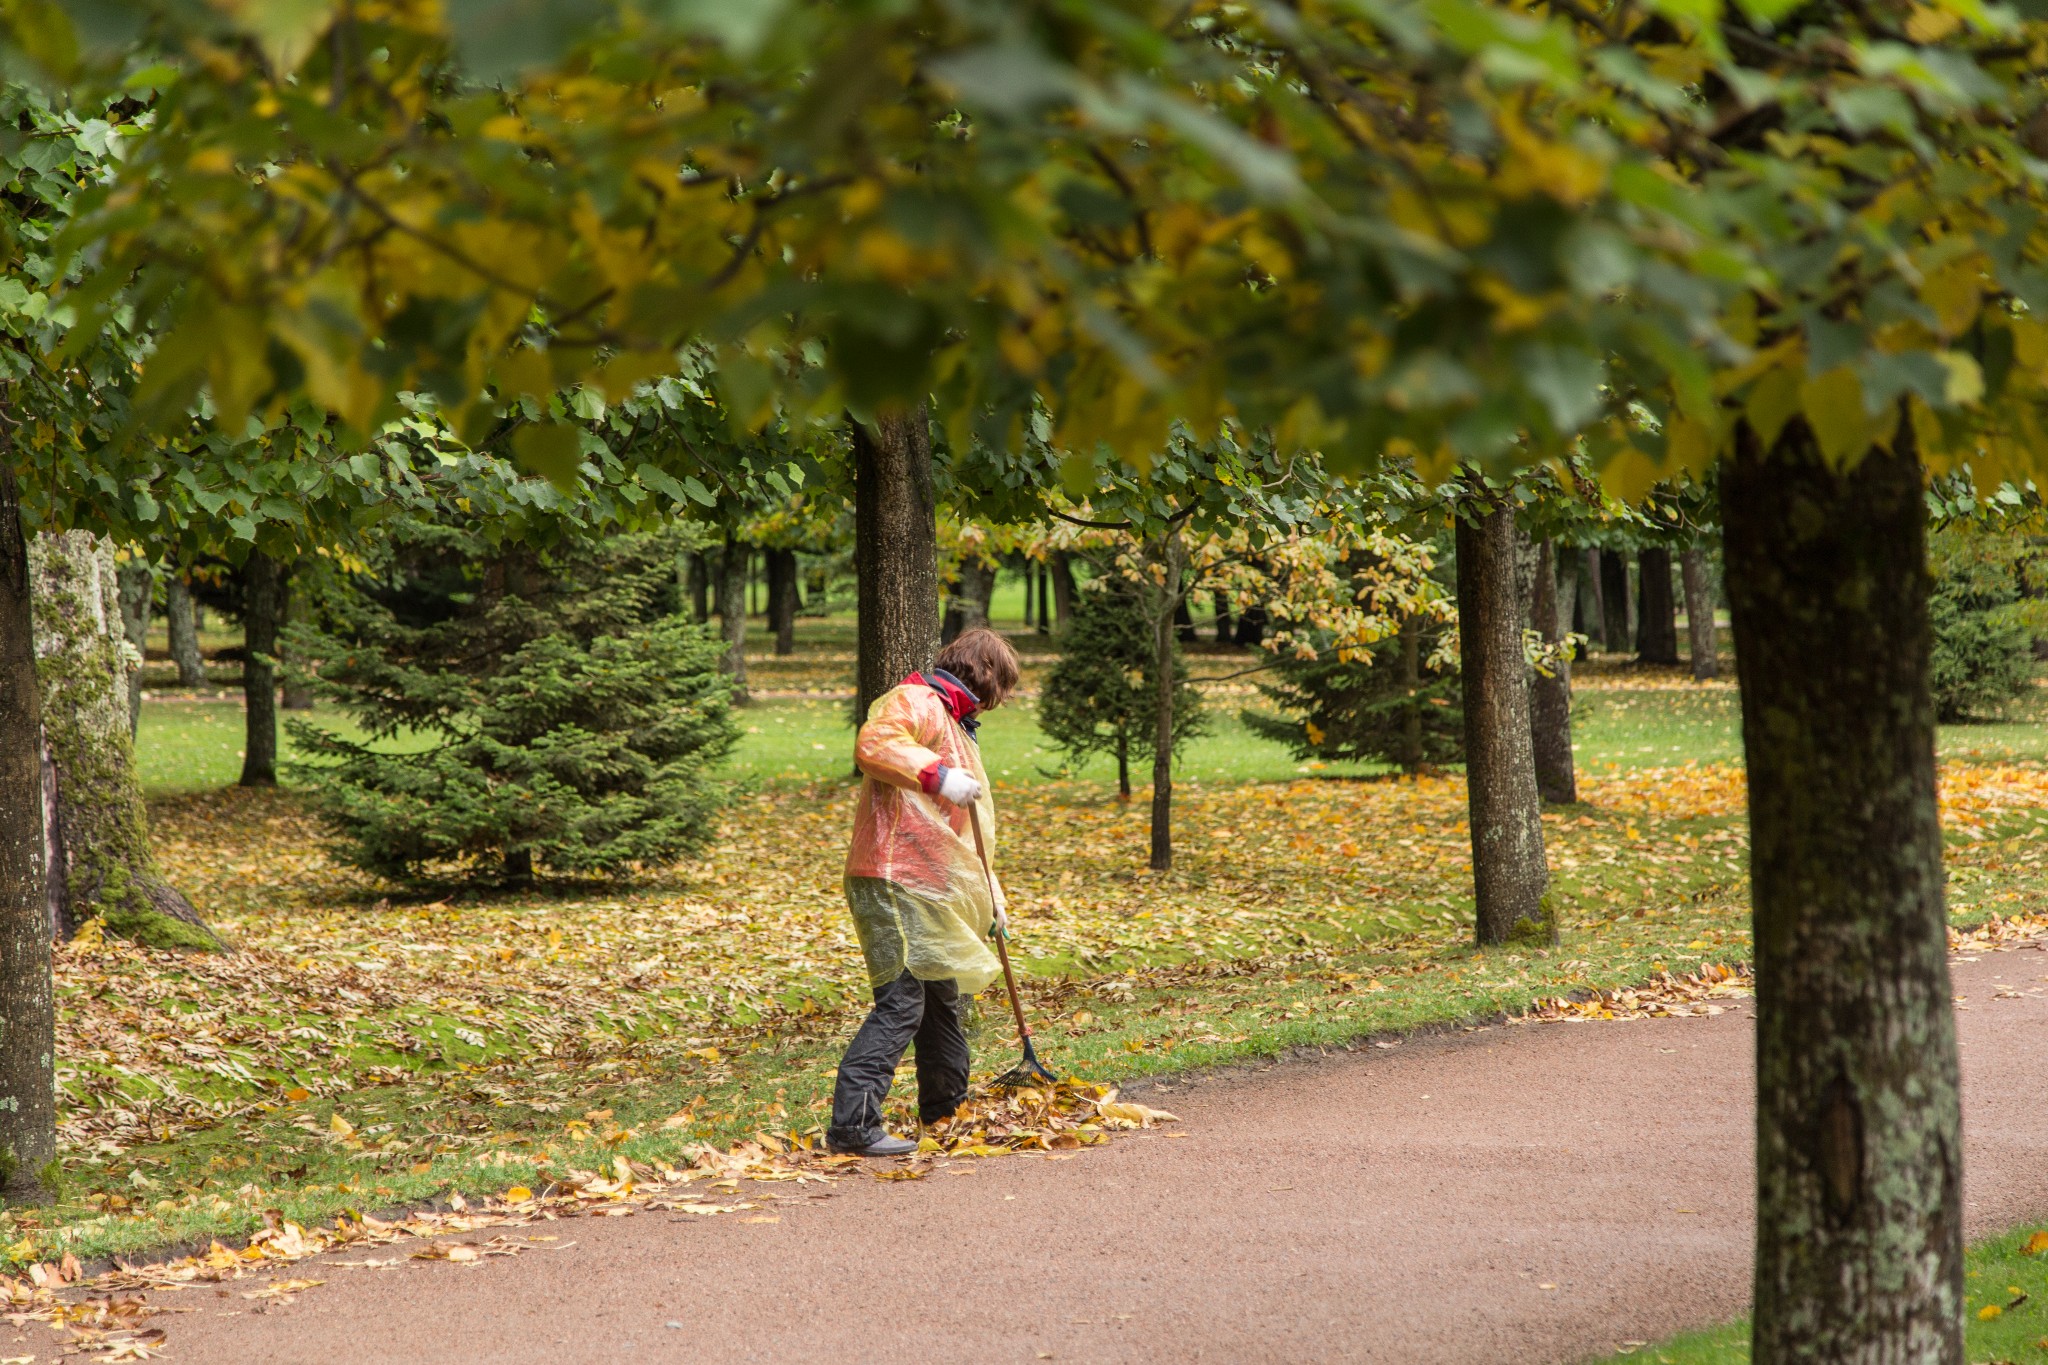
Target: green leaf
point(742, 25)
point(500, 38)
point(698, 491)
point(551, 450)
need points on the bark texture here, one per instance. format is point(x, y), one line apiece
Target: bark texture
point(1617, 628)
point(138, 590)
point(1509, 875)
point(181, 619)
point(1222, 602)
point(1699, 614)
point(1859, 1254)
point(732, 613)
point(896, 552)
point(697, 586)
point(96, 850)
point(1550, 689)
point(262, 613)
point(1656, 608)
point(28, 1014)
point(784, 599)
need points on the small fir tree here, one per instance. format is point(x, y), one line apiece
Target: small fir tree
point(1983, 612)
point(1101, 697)
point(531, 710)
point(1394, 706)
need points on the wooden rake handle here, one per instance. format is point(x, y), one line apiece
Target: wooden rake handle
point(1002, 939)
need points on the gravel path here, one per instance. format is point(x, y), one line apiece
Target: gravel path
point(1533, 1193)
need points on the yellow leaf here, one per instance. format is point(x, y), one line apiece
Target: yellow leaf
point(1988, 1312)
point(340, 1126)
point(518, 1194)
point(2036, 1244)
point(1833, 403)
point(297, 1093)
point(1965, 378)
point(1953, 292)
point(1773, 401)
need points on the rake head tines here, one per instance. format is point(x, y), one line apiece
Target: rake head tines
point(1026, 1074)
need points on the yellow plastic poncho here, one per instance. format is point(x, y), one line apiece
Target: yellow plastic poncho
point(913, 879)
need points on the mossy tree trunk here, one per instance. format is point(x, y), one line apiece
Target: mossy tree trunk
point(1859, 1254)
point(1656, 608)
point(1616, 628)
point(1550, 690)
point(1509, 875)
point(99, 861)
point(181, 620)
point(28, 1010)
point(732, 612)
point(1699, 613)
point(896, 551)
point(138, 591)
point(262, 613)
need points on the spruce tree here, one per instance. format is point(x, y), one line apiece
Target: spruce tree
point(1101, 697)
point(522, 710)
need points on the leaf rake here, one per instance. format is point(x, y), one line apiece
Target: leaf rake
point(1030, 1071)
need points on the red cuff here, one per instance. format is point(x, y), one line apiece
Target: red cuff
point(930, 777)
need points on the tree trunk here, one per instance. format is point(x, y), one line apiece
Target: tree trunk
point(1222, 601)
point(296, 695)
point(783, 600)
point(967, 604)
point(1184, 622)
point(1699, 614)
point(698, 586)
point(896, 543)
point(1656, 609)
point(1250, 631)
point(96, 844)
point(138, 587)
point(1044, 599)
point(1859, 1253)
point(182, 619)
point(1585, 592)
point(1616, 627)
point(1173, 558)
point(1411, 686)
point(1062, 570)
point(1509, 875)
point(262, 609)
point(732, 614)
point(519, 866)
point(1550, 697)
point(28, 1047)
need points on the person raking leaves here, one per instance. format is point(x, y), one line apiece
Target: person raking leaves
point(922, 903)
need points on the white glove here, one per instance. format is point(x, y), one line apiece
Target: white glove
point(1001, 927)
point(959, 788)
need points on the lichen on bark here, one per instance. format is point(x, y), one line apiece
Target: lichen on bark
point(99, 861)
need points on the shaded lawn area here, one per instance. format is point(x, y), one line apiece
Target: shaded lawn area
point(470, 1040)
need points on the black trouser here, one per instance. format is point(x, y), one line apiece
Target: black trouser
point(907, 1011)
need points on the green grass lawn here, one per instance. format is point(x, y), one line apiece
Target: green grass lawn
point(2005, 1313)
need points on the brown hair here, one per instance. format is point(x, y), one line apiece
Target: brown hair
point(984, 661)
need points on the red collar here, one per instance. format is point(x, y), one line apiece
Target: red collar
point(960, 703)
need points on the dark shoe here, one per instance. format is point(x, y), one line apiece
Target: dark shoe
point(881, 1146)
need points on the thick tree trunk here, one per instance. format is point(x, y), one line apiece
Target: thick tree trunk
point(896, 551)
point(1656, 608)
point(783, 599)
point(1172, 557)
point(1509, 875)
point(1062, 570)
point(28, 1007)
point(1222, 601)
point(1123, 767)
point(732, 614)
point(1250, 631)
point(262, 612)
point(1699, 614)
point(967, 604)
point(1859, 1253)
point(1617, 629)
point(1550, 696)
point(181, 617)
point(96, 842)
point(138, 588)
